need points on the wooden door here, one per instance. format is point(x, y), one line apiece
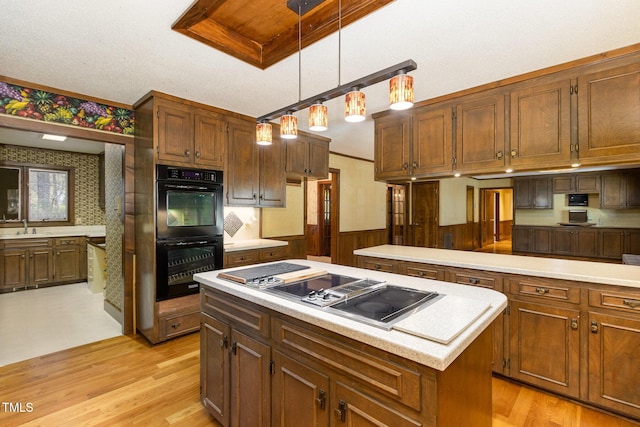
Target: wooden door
point(14, 268)
point(210, 139)
point(67, 263)
point(41, 267)
point(324, 218)
point(355, 409)
point(488, 220)
point(241, 174)
point(250, 381)
point(432, 145)
point(545, 346)
point(609, 114)
point(480, 134)
point(613, 363)
point(540, 125)
point(424, 206)
point(392, 147)
point(272, 178)
point(175, 133)
point(214, 368)
point(300, 394)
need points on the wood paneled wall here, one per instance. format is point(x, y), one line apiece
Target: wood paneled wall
point(297, 246)
point(352, 240)
point(466, 236)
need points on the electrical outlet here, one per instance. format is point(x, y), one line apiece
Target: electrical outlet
point(78, 220)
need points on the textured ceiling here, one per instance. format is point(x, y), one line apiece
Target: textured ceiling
point(120, 50)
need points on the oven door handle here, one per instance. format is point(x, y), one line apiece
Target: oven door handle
point(188, 187)
point(186, 244)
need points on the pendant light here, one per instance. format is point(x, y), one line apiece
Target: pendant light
point(318, 117)
point(354, 106)
point(289, 126)
point(401, 91)
point(264, 133)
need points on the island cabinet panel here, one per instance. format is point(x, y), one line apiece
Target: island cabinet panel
point(609, 114)
point(426, 271)
point(541, 124)
point(214, 368)
point(392, 147)
point(378, 264)
point(480, 132)
point(300, 394)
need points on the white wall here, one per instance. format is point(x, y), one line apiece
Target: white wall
point(287, 221)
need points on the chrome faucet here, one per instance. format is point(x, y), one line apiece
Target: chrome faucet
point(26, 227)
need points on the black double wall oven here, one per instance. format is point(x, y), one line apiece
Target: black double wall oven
point(189, 228)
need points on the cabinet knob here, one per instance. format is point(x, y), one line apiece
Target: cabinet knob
point(414, 165)
point(321, 399)
point(499, 155)
point(405, 166)
point(474, 281)
point(224, 342)
point(198, 154)
point(341, 412)
point(633, 303)
point(594, 327)
point(187, 153)
point(514, 152)
point(175, 325)
point(542, 291)
point(574, 324)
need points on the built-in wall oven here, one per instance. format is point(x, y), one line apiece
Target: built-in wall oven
point(189, 228)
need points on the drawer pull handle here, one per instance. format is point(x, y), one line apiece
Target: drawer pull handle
point(341, 412)
point(542, 291)
point(574, 324)
point(234, 348)
point(474, 281)
point(224, 342)
point(421, 273)
point(321, 399)
point(633, 303)
point(378, 266)
point(594, 327)
point(175, 325)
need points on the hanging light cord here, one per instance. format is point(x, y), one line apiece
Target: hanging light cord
point(299, 51)
point(339, 39)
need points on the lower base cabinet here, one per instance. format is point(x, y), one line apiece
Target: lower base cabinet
point(261, 368)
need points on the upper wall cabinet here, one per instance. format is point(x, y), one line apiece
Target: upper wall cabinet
point(609, 115)
point(392, 147)
point(189, 136)
point(307, 157)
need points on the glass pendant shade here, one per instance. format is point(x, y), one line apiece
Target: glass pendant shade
point(318, 117)
point(288, 126)
point(354, 106)
point(264, 134)
point(401, 92)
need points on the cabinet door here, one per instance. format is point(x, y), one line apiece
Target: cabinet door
point(392, 147)
point(432, 141)
point(522, 188)
point(542, 197)
point(633, 189)
point(609, 114)
point(520, 236)
point(14, 268)
point(241, 177)
point(611, 243)
point(563, 184)
point(214, 368)
point(480, 134)
point(563, 241)
point(540, 125)
point(272, 178)
point(632, 242)
point(250, 381)
point(210, 132)
point(175, 133)
point(318, 159)
point(613, 363)
point(67, 263)
point(541, 240)
point(613, 193)
point(300, 394)
point(41, 267)
point(297, 156)
point(588, 183)
point(356, 409)
point(545, 346)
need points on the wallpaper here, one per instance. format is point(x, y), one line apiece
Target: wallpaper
point(113, 156)
point(87, 209)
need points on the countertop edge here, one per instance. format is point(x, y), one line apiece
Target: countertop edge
point(429, 353)
point(254, 244)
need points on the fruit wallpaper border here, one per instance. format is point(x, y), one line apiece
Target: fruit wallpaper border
point(46, 106)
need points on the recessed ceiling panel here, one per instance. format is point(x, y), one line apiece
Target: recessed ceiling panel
point(263, 33)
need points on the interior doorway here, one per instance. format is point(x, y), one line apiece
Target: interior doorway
point(324, 218)
point(322, 213)
point(496, 218)
point(396, 214)
point(423, 230)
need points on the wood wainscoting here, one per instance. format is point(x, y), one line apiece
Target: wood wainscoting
point(297, 248)
point(349, 241)
point(467, 236)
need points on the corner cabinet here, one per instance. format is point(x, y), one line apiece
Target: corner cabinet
point(255, 174)
point(307, 157)
point(532, 193)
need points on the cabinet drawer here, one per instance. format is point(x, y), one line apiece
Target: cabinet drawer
point(172, 326)
point(235, 311)
point(378, 264)
point(623, 301)
point(545, 289)
point(383, 376)
point(475, 278)
point(241, 258)
point(63, 241)
point(27, 243)
point(424, 271)
point(274, 253)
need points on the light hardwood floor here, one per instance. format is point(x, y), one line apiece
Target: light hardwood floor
point(125, 381)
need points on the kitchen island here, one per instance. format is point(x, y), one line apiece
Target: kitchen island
point(268, 359)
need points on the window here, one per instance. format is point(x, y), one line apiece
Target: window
point(37, 193)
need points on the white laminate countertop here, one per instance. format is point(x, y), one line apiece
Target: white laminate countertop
point(429, 353)
point(581, 271)
point(244, 245)
point(46, 232)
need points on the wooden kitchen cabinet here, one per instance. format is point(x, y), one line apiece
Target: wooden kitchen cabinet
point(620, 190)
point(307, 157)
point(69, 258)
point(575, 241)
point(541, 125)
point(189, 136)
point(378, 264)
point(432, 140)
point(533, 193)
point(26, 263)
point(255, 174)
point(608, 113)
point(576, 183)
point(480, 132)
point(611, 243)
point(632, 242)
point(392, 147)
point(255, 256)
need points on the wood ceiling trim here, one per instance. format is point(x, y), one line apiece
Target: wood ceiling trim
point(199, 22)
